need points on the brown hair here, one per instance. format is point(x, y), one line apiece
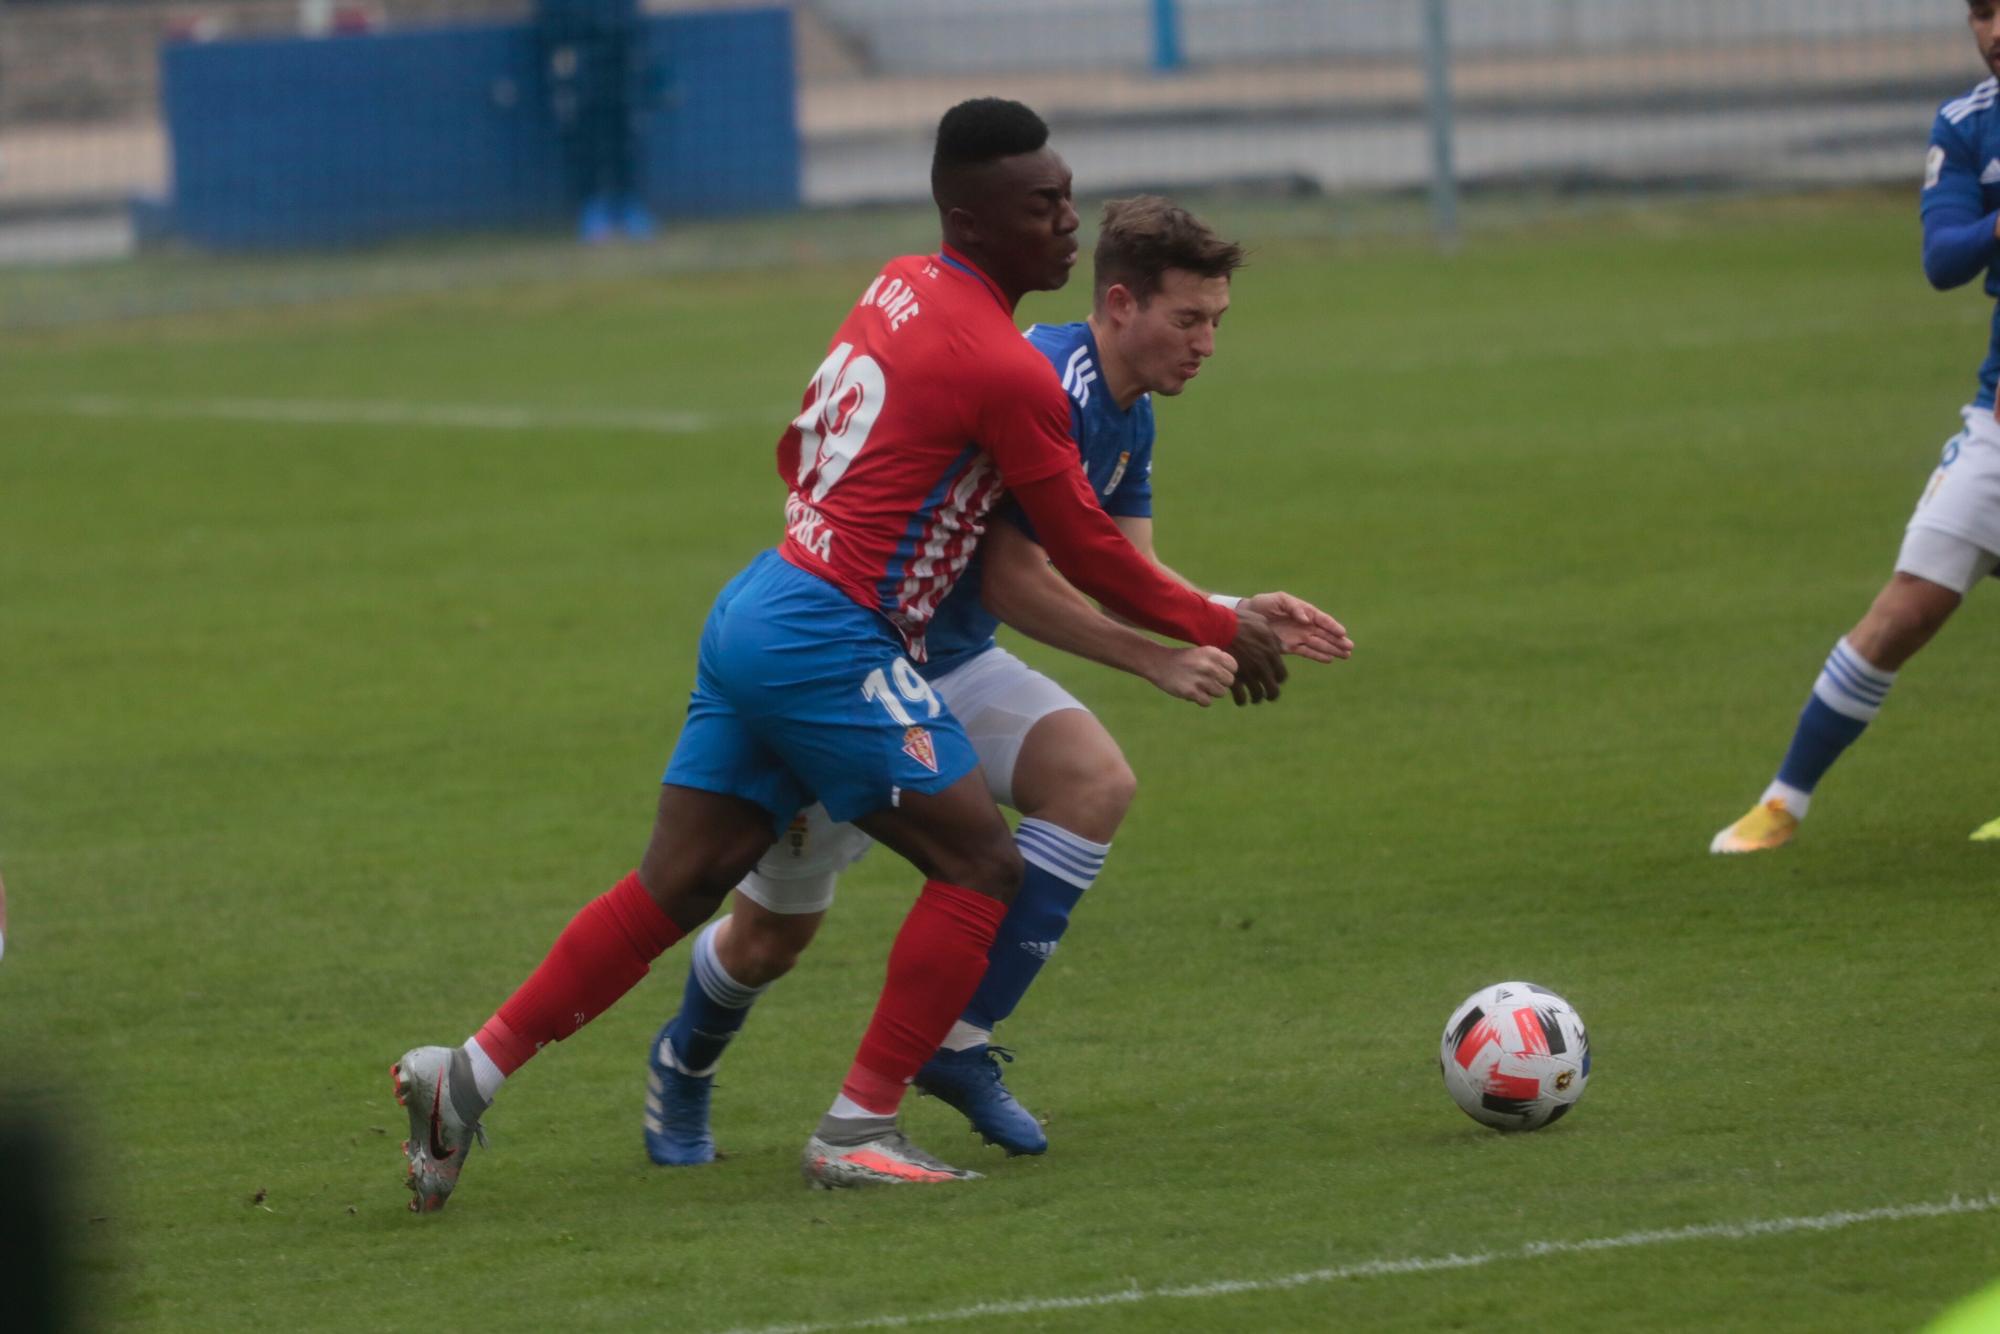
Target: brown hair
point(1141, 238)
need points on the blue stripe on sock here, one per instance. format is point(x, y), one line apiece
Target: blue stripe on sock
point(1851, 683)
point(1841, 687)
point(1857, 672)
point(715, 981)
point(1058, 858)
point(1866, 677)
point(1867, 671)
point(1080, 878)
point(1075, 842)
point(1059, 848)
point(1867, 705)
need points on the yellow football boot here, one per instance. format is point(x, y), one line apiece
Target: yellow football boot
point(1768, 825)
point(1988, 832)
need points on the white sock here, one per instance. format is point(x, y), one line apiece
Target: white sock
point(715, 980)
point(1795, 800)
point(964, 1036)
point(486, 1076)
point(1850, 684)
point(846, 1109)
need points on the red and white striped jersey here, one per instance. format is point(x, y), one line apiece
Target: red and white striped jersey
point(928, 406)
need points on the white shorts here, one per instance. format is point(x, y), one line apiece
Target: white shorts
point(996, 697)
point(1953, 537)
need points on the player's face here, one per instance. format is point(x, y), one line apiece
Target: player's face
point(1025, 222)
point(1985, 22)
point(1166, 340)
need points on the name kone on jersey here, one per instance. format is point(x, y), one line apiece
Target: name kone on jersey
point(894, 298)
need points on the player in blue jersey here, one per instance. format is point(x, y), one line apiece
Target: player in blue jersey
point(1162, 285)
point(1953, 538)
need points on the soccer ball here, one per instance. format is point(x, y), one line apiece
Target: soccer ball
point(1515, 1056)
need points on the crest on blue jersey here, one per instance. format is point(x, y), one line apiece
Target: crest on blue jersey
point(1118, 473)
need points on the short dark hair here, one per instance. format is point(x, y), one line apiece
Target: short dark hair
point(1141, 238)
point(980, 131)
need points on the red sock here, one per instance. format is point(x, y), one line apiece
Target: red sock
point(934, 967)
point(599, 956)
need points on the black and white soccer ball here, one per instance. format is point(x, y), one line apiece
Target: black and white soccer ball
point(1515, 1056)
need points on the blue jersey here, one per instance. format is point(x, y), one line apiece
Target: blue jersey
point(1961, 198)
point(1117, 448)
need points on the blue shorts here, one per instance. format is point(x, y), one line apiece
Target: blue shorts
point(802, 695)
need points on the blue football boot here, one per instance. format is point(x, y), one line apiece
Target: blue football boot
point(676, 1109)
point(970, 1081)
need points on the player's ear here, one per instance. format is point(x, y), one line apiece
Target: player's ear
point(961, 229)
point(1120, 304)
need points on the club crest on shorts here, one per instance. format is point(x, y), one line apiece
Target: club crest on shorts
point(918, 746)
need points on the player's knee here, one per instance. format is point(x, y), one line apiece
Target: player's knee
point(1116, 786)
point(1097, 803)
point(690, 890)
point(1093, 794)
point(690, 871)
point(1005, 871)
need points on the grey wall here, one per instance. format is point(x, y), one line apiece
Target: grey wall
point(939, 36)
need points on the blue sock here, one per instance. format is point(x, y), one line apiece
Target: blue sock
point(713, 1006)
point(1060, 867)
point(1844, 700)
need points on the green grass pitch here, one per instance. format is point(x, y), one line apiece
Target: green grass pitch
point(314, 731)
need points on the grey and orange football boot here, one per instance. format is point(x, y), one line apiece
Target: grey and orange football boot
point(870, 1152)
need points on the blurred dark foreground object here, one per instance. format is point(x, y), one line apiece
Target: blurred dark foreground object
point(34, 1294)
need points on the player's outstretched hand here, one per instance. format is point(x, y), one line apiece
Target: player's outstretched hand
point(1260, 663)
point(1303, 629)
point(1197, 675)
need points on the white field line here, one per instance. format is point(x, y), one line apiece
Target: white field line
point(364, 412)
point(1534, 1250)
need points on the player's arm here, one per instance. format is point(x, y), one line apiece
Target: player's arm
point(1024, 423)
point(1138, 530)
point(1089, 551)
point(1960, 237)
point(1031, 433)
point(1303, 629)
point(1017, 585)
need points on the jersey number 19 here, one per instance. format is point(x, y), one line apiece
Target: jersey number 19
point(842, 404)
